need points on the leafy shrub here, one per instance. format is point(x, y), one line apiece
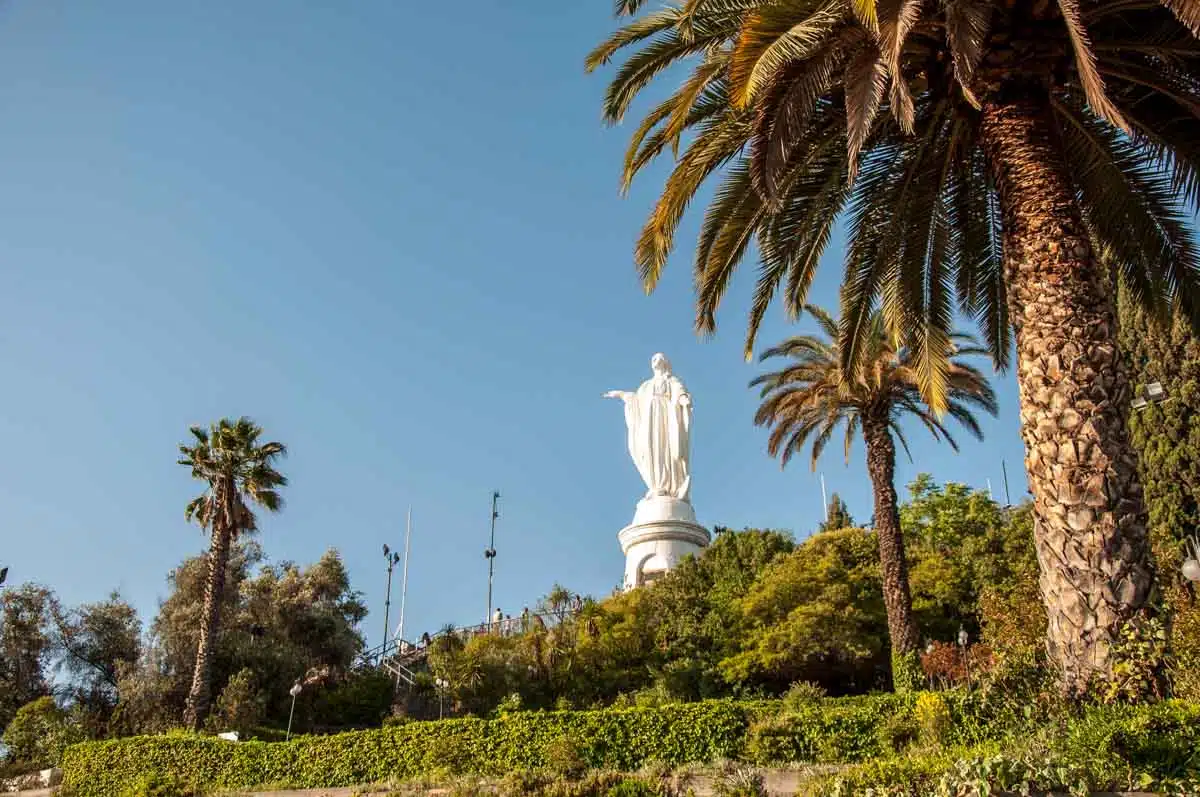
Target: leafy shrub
point(361, 700)
point(1148, 748)
point(897, 732)
point(933, 718)
point(739, 782)
point(632, 787)
point(509, 704)
point(39, 733)
point(1185, 644)
point(906, 671)
point(615, 739)
point(837, 730)
point(801, 694)
point(526, 783)
point(946, 664)
point(564, 756)
point(159, 785)
point(240, 706)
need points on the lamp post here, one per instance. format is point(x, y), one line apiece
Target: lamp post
point(440, 684)
point(392, 559)
point(962, 645)
point(294, 692)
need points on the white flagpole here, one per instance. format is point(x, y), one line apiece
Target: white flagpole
point(824, 500)
point(404, 580)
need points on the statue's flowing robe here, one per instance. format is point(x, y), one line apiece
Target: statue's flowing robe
point(659, 421)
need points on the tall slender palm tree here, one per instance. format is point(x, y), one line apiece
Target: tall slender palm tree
point(239, 472)
point(1008, 159)
point(806, 400)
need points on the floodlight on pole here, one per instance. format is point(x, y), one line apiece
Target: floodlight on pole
point(392, 559)
point(490, 553)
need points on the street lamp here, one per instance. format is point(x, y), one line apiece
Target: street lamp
point(294, 692)
point(440, 684)
point(392, 560)
point(962, 644)
point(1191, 562)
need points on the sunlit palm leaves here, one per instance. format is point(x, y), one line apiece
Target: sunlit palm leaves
point(808, 111)
point(238, 469)
point(808, 398)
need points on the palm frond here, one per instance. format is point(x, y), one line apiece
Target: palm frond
point(1085, 65)
point(636, 31)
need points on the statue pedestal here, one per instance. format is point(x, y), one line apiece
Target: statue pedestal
point(664, 530)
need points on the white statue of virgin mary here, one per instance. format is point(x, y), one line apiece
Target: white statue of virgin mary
point(658, 416)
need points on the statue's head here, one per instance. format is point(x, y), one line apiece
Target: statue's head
point(659, 364)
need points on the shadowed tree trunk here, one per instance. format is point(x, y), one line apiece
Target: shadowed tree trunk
point(200, 695)
point(1089, 516)
point(897, 599)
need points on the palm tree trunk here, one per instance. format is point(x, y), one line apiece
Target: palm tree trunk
point(200, 696)
point(897, 599)
point(1089, 516)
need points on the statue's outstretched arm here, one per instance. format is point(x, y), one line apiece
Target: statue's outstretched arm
point(624, 395)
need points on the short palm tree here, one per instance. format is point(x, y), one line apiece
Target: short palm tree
point(809, 398)
point(989, 157)
point(239, 472)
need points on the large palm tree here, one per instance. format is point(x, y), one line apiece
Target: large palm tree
point(990, 157)
point(810, 397)
point(239, 471)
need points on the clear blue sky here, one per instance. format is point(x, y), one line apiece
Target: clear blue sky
point(389, 232)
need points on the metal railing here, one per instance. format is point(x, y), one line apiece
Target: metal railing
point(399, 656)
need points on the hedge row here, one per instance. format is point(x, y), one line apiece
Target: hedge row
point(1146, 748)
point(618, 739)
point(1162, 740)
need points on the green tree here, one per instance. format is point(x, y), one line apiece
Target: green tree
point(1167, 440)
point(1165, 433)
point(982, 153)
point(966, 550)
point(283, 622)
point(816, 615)
point(239, 472)
point(94, 642)
point(26, 646)
point(837, 515)
point(805, 402)
point(40, 732)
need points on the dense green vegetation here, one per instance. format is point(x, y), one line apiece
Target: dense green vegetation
point(1167, 439)
point(282, 623)
point(730, 656)
point(759, 612)
point(910, 743)
point(809, 398)
point(1007, 160)
point(619, 739)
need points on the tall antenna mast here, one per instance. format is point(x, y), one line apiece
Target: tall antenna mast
point(404, 579)
point(490, 553)
point(1004, 469)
